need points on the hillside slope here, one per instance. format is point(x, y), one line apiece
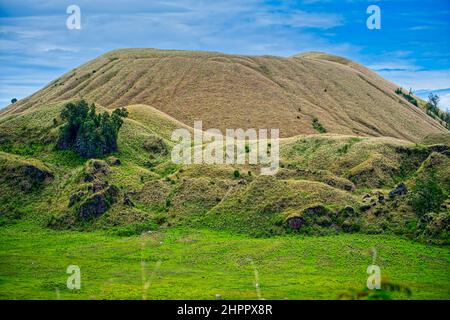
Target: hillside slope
point(231, 91)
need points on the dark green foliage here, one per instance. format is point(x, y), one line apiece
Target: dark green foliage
point(427, 195)
point(88, 133)
point(431, 107)
point(318, 126)
point(13, 100)
point(407, 96)
point(237, 174)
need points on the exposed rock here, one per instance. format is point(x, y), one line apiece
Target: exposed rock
point(99, 166)
point(365, 207)
point(378, 212)
point(295, 222)
point(93, 206)
point(242, 182)
point(24, 174)
point(113, 161)
point(127, 201)
point(315, 210)
point(75, 198)
point(395, 204)
point(98, 185)
point(36, 173)
point(98, 203)
point(400, 190)
point(94, 169)
point(441, 148)
point(348, 211)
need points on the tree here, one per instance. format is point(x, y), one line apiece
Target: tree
point(88, 133)
point(13, 100)
point(433, 100)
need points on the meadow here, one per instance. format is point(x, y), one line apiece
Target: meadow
point(180, 263)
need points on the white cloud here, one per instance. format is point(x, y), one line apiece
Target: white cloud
point(419, 80)
point(444, 96)
point(445, 101)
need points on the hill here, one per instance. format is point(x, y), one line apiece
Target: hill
point(234, 91)
point(342, 181)
point(134, 216)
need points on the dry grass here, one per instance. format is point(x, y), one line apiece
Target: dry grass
point(228, 91)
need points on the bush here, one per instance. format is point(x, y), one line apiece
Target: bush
point(236, 174)
point(427, 195)
point(318, 126)
point(407, 96)
point(87, 133)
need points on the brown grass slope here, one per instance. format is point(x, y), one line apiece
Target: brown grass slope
point(231, 91)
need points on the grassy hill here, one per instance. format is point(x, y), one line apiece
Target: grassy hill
point(230, 91)
point(328, 174)
point(136, 215)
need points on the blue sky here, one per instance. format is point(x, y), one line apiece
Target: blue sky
point(412, 48)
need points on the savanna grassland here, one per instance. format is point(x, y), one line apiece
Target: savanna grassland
point(362, 180)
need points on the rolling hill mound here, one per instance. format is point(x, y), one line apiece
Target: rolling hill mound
point(380, 171)
point(327, 183)
point(232, 91)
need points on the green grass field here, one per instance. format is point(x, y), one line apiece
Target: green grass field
point(198, 264)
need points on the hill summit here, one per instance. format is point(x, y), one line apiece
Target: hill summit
point(234, 91)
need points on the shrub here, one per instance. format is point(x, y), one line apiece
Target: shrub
point(407, 96)
point(237, 174)
point(155, 144)
point(318, 126)
point(427, 195)
point(87, 133)
point(13, 100)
